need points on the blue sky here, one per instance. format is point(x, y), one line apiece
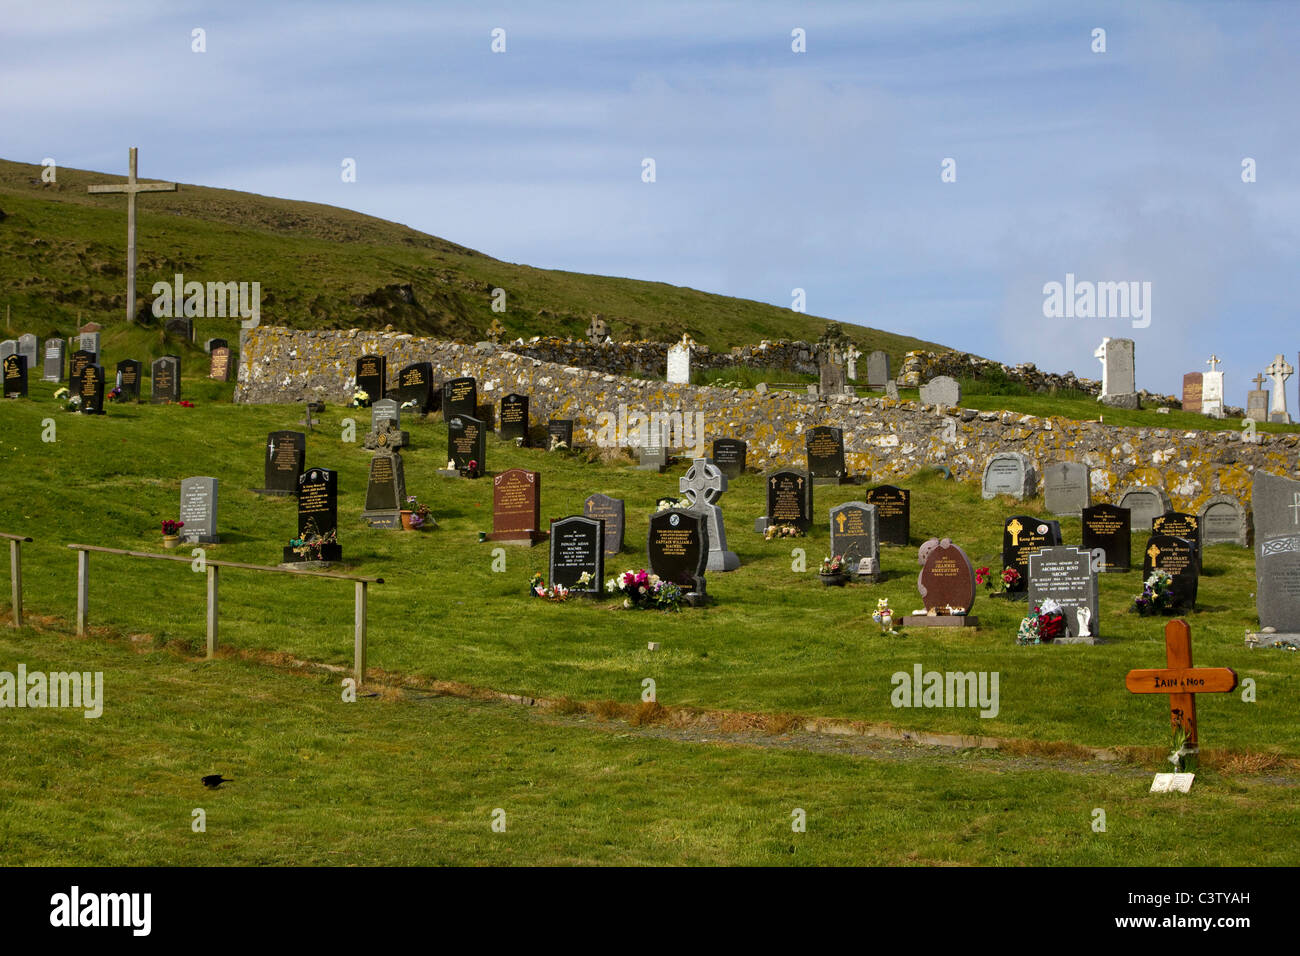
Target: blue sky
point(774, 170)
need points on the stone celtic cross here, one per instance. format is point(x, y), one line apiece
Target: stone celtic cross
point(703, 483)
point(1279, 372)
point(131, 187)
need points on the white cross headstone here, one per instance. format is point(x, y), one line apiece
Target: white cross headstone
point(1212, 389)
point(1279, 372)
point(852, 356)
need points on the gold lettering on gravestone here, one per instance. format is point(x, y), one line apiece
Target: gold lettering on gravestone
point(369, 368)
point(286, 457)
point(381, 469)
point(944, 567)
point(512, 414)
point(1105, 524)
point(314, 499)
point(460, 391)
point(823, 445)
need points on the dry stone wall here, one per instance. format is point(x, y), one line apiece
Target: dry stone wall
point(884, 439)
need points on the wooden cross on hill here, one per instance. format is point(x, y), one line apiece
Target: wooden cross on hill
point(1181, 681)
point(131, 187)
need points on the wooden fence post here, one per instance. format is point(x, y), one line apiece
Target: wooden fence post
point(359, 649)
point(212, 610)
point(16, 580)
point(83, 591)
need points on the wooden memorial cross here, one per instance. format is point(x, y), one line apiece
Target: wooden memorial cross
point(1180, 680)
point(131, 187)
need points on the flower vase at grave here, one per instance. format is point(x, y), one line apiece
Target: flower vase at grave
point(834, 579)
point(171, 540)
point(406, 520)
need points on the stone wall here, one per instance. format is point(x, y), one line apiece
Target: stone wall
point(651, 358)
point(884, 440)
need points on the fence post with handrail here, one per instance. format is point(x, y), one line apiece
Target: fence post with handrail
point(16, 541)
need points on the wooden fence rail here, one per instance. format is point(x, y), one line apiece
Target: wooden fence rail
point(213, 569)
point(16, 541)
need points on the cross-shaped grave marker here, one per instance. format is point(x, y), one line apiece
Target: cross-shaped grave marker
point(1213, 363)
point(704, 483)
point(1181, 681)
point(1279, 372)
point(131, 187)
point(1259, 381)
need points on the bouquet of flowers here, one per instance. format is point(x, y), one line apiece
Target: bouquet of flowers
point(643, 590)
point(186, 404)
point(1157, 595)
point(115, 393)
point(997, 583)
point(360, 399)
point(833, 565)
point(884, 616)
point(667, 503)
point(783, 531)
point(558, 593)
point(170, 527)
point(310, 545)
point(420, 516)
point(1045, 624)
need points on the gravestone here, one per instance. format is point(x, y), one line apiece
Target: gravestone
point(679, 363)
point(15, 376)
point(1177, 556)
point(80, 359)
point(830, 370)
point(1257, 400)
point(851, 356)
point(559, 431)
point(199, 510)
point(1066, 487)
point(824, 446)
point(372, 376)
point(677, 548)
point(219, 366)
point(1275, 502)
point(91, 389)
point(1065, 575)
point(1193, 389)
point(1182, 682)
point(218, 343)
point(1118, 378)
point(55, 355)
point(597, 330)
point(613, 513)
point(1009, 473)
point(318, 511)
point(415, 384)
point(1179, 524)
point(467, 442)
point(459, 397)
point(513, 425)
point(1109, 528)
point(1022, 535)
point(1224, 521)
point(946, 585)
point(128, 379)
point(29, 346)
point(703, 484)
point(1146, 504)
point(894, 513)
point(7, 348)
point(385, 491)
point(165, 379)
point(576, 550)
point(789, 500)
point(89, 342)
point(652, 455)
point(1279, 371)
point(878, 369)
point(286, 453)
point(891, 391)
point(941, 390)
point(729, 455)
point(516, 507)
point(1212, 389)
point(855, 534)
point(181, 326)
point(382, 412)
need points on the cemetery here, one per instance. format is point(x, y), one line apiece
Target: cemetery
point(448, 527)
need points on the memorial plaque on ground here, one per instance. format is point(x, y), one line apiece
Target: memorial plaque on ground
point(1009, 473)
point(513, 425)
point(80, 359)
point(165, 379)
point(947, 586)
point(1066, 488)
point(1192, 391)
point(729, 455)
point(318, 511)
point(1275, 502)
point(1145, 504)
point(789, 499)
point(199, 510)
point(55, 354)
point(1109, 528)
point(1177, 556)
point(466, 442)
point(286, 453)
point(128, 379)
point(219, 364)
point(1065, 575)
point(855, 534)
point(825, 450)
point(15, 376)
point(372, 376)
point(576, 550)
point(559, 432)
point(91, 390)
point(385, 491)
point(459, 397)
point(612, 512)
point(677, 547)
point(415, 384)
point(893, 511)
point(516, 507)
point(1021, 537)
point(1224, 521)
point(1180, 525)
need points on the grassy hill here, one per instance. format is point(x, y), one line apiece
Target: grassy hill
point(63, 258)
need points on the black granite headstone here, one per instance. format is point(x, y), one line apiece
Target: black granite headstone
point(559, 431)
point(286, 454)
point(789, 499)
point(1179, 524)
point(1177, 557)
point(729, 455)
point(1109, 528)
point(415, 384)
point(575, 550)
point(128, 380)
point(612, 512)
point(91, 383)
point(372, 376)
point(513, 424)
point(825, 449)
point(459, 397)
point(466, 442)
point(1021, 537)
point(166, 380)
point(894, 511)
point(15, 376)
point(677, 547)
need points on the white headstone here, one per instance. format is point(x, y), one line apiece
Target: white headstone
point(1279, 372)
point(679, 363)
point(1212, 389)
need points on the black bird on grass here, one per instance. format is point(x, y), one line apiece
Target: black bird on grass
point(214, 780)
